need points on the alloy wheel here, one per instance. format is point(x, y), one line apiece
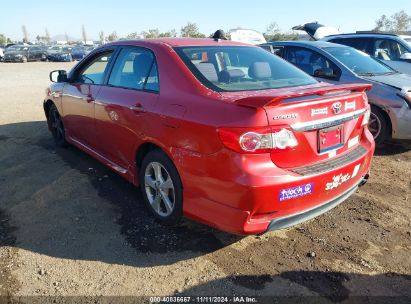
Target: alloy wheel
point(159, 189)
point(57, 128)
point(375, 125)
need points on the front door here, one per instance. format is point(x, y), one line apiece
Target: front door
point(79, 96)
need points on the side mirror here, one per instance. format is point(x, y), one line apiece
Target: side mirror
point(325, 73)
point(406, 56)
point(58, 76)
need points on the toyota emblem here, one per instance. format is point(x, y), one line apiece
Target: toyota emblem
point(337, 107)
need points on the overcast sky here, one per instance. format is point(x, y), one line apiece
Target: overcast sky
point(127, 16)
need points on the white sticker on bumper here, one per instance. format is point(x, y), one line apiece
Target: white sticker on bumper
point(356, 169)
point(353, 141)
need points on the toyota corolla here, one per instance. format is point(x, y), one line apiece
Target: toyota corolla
point(220, 132)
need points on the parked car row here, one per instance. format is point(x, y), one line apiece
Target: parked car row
point(25, 53)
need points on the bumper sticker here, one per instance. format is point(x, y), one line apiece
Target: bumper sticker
point(340, 179)
point(290, 193)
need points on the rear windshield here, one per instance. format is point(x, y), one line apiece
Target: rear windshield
point(241, 68)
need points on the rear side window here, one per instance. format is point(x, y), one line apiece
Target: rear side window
point(135, 68)
point(309, 61)
point(241, 68)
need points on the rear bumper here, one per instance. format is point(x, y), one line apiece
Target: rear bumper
point(250, 194)
point(294, 219)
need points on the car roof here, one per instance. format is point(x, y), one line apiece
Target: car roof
point(364, 34)
point(180, 42)
point(312, 44)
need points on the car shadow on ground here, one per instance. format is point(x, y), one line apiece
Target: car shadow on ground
point(54, 216)
point(394, 147)
point(316, 287)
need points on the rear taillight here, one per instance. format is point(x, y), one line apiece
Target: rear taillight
point(257, 140)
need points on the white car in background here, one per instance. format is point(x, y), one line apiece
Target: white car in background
point(247, 36)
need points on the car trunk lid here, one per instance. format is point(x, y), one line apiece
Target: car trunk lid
point(323, 119)
point(316, 31)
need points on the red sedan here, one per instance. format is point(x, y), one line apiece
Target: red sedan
point(220, 132)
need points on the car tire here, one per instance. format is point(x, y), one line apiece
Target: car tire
point(24, 59)
point(379, 125)
point(43, 57)
point(161, 187)
point(57, 127)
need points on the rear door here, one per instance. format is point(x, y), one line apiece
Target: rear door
point(79, 97)
point(126, 104)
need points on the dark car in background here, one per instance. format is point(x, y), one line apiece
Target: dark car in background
point(24, 53)
point(394, 50)
point(59, 53)
point(390, 96)
point(79, 52)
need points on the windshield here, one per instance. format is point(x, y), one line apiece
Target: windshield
point(359, 62)
point(241, 68)
point(408, 40)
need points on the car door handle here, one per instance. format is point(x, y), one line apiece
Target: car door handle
point(138, 108)
point(88, 98)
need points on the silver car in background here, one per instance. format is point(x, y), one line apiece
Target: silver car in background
point(390, 96)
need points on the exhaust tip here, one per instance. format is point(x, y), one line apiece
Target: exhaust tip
point(364, 180)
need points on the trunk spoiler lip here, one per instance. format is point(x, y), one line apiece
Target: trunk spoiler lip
point(274, 100)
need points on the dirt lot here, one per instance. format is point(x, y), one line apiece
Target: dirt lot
point(69, 226)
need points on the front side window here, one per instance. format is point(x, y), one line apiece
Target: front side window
point(308, 60)
point(241, 68)
point(135, 68)
point(387, 49)
point(94, 72)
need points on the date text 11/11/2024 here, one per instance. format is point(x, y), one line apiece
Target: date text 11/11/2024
point(203, 299)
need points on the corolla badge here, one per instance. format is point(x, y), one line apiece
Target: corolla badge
point(285, 116)
point(337, 107)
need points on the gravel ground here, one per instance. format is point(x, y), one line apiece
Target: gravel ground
point(69, 226)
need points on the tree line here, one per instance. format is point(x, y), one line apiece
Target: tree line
point(398, 23)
